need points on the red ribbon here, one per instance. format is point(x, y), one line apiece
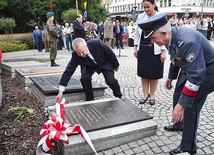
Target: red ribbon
point(57, 128)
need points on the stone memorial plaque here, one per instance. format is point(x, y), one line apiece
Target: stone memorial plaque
point(23, 75)
point(39, 70)
point(49, 84)
point(10, 67)
point(103, 115)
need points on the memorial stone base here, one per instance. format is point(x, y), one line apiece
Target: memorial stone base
point(45, 88)
point(108, 122)
point(23, 75)
point(10, 67)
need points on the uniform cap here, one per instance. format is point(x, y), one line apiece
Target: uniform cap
point(49, 14)
point(153, 23)
point(108, 15)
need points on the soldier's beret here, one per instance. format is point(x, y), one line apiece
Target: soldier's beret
point(153, 23)
point(108, 15)
point(49, 14)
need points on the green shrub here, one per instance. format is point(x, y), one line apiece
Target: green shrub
point(29, 41)
point(13, 46)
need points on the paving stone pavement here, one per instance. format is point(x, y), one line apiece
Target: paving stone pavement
point(162, 142)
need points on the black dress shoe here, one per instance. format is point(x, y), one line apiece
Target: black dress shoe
point(178, 151)
point(122, 98)
point(152, 102)
point(142, 101)
point(171, 128)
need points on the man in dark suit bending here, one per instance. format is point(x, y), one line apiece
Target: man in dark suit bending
point(93, 55)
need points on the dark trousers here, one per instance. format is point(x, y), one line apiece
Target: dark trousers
point(109, 78)
point(209, 34)
point(119, 39)
point(191, 115)
point(39, 45)
point(59, 44)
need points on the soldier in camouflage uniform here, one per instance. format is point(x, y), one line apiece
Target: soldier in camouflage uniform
point(53, 37)
point(45, 39)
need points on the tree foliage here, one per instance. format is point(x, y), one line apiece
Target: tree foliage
point(29, 13)
point(3, 4)
point(7, 25)
point(70, 15)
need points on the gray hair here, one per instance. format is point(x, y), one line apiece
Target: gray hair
point(75, 42)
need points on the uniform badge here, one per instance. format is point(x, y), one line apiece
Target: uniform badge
point(190, 57)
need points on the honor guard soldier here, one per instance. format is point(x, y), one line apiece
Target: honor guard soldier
point(192, 61)
point(53, 37)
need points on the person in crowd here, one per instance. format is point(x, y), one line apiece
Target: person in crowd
point(68, 38)
point(93, 56)
point(60, 41)
point(192, 61)
point(150, 57)
point(198, 25)
point(64, 36)
point(204, 27)
point(79, 31)
point(118, 31)
point(126, 33)
point(192, 25)
point(100, 30)
point(131, 29)
point(37, 37)
point(209, 28)
point(45, 39)
point(113, 41)
point(72, 31)
point(53, 37)
point(108, 31)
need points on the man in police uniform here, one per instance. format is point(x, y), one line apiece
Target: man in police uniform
point(53, 37)
point(192, 53)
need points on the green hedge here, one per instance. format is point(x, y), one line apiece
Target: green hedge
point(13, 46)
point(29, 41)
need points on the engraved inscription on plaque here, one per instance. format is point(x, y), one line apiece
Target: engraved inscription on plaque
point(103, 115)
point(49, 84)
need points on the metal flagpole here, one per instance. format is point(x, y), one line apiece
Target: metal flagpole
point(77, 6)
point(50, 5)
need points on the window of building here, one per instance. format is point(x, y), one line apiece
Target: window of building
point(165, 3)
point(170, 3)
point(161, 3)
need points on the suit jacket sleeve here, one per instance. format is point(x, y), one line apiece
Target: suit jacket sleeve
point(69, 71)
point(77, 26)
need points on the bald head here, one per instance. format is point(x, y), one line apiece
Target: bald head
point(80, 47)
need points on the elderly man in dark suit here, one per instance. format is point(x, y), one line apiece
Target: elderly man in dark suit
point(79, 31)
point(118, 31)
point(37, 37)
point(93, 55)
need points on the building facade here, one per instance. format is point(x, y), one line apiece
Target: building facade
point(175, 8)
